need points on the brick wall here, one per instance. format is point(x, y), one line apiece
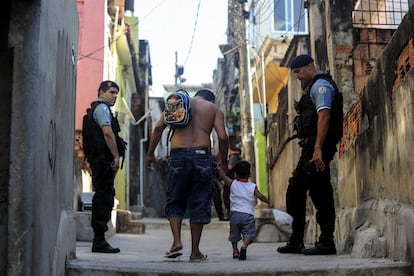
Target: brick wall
point(369, 48)
point(352, 126)
point(404, 63)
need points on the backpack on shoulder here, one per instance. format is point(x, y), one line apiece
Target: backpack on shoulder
point(177, 109)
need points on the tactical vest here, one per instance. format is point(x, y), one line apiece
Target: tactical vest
point(93, 138)
point(305, 123)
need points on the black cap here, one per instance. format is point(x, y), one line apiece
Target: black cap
point(105, 85)
point(207, 94)
point(300, 61)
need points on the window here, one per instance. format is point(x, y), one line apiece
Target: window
point(289, 16)
point(379, 14)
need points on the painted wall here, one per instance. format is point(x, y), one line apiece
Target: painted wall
point(43, 36)
point(90, 54)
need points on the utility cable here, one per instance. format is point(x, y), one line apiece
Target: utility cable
point(153, 9)
point(103, 47)
point(193, 35)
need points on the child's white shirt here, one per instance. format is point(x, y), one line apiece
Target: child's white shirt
point(242, 197)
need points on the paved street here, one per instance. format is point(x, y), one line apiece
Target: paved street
point(143, 255)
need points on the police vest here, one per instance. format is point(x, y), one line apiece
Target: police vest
point(93, 139)
point(305, 123)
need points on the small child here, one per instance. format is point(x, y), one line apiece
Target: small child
point(243, 196)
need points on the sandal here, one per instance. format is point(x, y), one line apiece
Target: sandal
point(201, 259)
point(172, 254)
point(235, 255)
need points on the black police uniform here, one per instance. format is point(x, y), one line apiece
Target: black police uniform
point(305, 177)
point(103, 177)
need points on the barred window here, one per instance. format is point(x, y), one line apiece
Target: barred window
point(385, 14)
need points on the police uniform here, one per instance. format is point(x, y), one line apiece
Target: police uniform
point(100, 158)
point(319, 93)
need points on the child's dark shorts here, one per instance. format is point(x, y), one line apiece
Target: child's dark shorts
point(242, 225)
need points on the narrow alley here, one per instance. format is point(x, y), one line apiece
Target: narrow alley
point(143, 255)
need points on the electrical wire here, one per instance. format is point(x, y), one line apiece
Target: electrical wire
point(153, 9)
point(103, 47)
point(193, 35)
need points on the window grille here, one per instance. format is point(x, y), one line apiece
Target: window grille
point(385, 14)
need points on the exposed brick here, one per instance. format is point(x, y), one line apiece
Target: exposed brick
point(359, 82)
point(361, 51)
point(363, 35)
point(343, 49)
point(357, 67)
point(352, 126)
point(375, 50)
point(404, 63)
point(384, 36)
point(372, 35)
point(367, 67)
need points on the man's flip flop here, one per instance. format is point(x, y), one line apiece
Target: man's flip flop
point(202, 259)
point(173, 254)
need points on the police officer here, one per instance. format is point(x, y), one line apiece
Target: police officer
point(105, 149)
point(314, 126)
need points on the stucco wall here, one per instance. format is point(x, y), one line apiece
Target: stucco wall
point(374, 198)
point(375, 174)
point(41, 228)
point(5, 109)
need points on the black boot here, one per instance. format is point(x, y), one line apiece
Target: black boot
point(100, 245)
point(291, 248)
point(323, 247)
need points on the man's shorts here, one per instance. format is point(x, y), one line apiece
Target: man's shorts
point(242, 225)
point(189, 184)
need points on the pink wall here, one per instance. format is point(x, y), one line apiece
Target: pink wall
point(91, 44)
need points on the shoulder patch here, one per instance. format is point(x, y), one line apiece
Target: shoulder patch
point(105, 108)
point(322, 90)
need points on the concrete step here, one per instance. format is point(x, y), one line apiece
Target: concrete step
point(126, 223)
point(144, 255)
point(84, 230)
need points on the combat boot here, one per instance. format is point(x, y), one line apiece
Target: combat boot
point(321, 248)
point(291, 248)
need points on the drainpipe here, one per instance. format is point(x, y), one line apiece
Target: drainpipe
point(145, 136)
point(141, 152)
point(141, 142)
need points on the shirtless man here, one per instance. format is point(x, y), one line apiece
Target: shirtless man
point(191, 170)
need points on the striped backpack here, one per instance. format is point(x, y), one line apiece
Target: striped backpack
point(177, 109)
